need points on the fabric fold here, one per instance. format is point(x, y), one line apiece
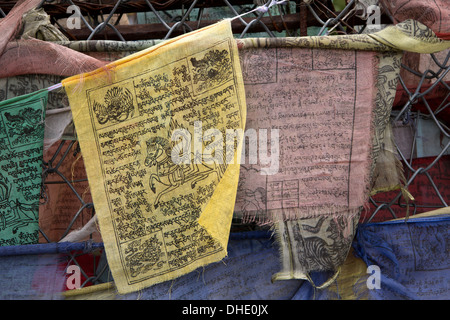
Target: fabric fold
point(152, 129)
point(331, 125)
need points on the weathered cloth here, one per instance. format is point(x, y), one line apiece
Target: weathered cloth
point(413, 256)
point(21, 144)
point(59, 204)
point(12, 23)
point(160, 219)
point(435, 14)
point(32, 56)
point(243, 275)
point(15, 86)
point(56, 123)
point(40, 274)
point(36, 24)
point(41, 277)
point(388, 174)
point(251, 201)
point(39, 270)
point(316, 198)
point(331, 122)
point(31, 277)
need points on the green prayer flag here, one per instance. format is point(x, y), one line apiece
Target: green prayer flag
point(21, 144)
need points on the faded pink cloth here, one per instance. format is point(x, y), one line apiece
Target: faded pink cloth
point(435, 14)
point(32, 56)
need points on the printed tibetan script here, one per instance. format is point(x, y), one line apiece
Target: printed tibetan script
point(159, 218)
point(321, 101)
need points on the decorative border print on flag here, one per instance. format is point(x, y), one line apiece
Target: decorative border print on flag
point(21, 144)
point(152, 129)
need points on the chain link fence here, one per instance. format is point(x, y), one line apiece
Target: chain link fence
point(419, 118)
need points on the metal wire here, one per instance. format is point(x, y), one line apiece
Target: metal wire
point(320, 15)
point(328, 24)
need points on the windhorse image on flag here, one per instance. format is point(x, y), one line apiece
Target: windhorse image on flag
point(161, 218)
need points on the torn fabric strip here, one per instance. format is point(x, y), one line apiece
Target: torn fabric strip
point(21, 144)
point(412, 257)
point(393, 260)
point(322, 161)
point(325, 148)
point(158, 218)
point(328, 144)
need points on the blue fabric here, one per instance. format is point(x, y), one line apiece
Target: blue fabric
point(245, 274)
point(36, 271)
point(413, 256)
point(31, 277)
point(45, 248)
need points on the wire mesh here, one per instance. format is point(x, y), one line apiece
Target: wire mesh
point(156, 19)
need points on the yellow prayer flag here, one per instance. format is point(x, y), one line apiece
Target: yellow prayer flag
point(153, 129)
